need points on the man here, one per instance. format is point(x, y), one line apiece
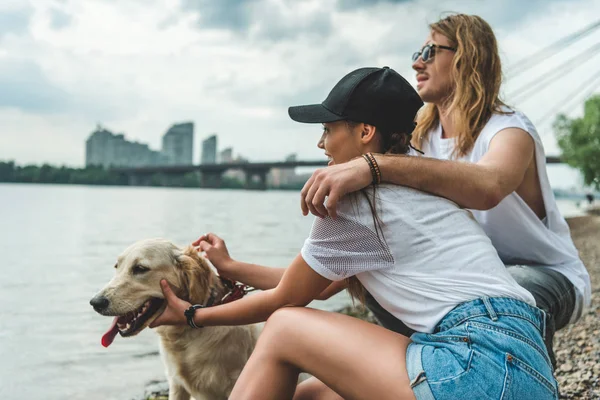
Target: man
point(483, 156)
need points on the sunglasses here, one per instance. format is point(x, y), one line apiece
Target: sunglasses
point(428, 52)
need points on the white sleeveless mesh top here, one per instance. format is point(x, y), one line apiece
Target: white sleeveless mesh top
point(431, 257)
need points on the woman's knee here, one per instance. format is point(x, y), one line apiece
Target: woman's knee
point(278, 330)
point(284, 320)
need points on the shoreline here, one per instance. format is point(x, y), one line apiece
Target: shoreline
point(577, 347)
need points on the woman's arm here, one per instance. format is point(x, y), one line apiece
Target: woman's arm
point(332, 289)
point(257, 276)
point(254, 275)
point(265, 278)
point(299, 286)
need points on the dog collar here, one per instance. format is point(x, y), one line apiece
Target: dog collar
point(235, 291)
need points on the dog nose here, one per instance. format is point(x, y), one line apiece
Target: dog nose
point(99, 303)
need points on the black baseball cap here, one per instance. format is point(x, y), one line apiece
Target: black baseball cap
point(376, 96)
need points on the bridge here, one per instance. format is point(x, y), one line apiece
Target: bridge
point(210, 174)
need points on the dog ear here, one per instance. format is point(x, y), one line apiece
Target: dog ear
point(196, 276)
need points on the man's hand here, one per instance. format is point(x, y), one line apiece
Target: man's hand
point(173, 314)
point(333, 182)
point(216, 251)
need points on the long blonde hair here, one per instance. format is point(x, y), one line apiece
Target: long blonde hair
point(477, 74)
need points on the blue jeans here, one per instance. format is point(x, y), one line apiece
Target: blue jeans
point(489, 348)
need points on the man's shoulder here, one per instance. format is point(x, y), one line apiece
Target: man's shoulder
point(506, 118)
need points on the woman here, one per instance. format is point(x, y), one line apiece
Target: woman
point(425, 260)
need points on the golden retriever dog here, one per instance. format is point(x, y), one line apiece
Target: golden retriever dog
point(204, 363)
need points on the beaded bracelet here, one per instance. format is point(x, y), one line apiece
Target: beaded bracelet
point(372, 157)
point(375, 172)
point(371, 167)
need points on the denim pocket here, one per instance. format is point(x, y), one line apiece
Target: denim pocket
point(499, 337)
point(523, 381)
point(445, 357)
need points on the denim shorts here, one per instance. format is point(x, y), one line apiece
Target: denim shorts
point(489, 348)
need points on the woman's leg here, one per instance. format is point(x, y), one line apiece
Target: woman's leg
point(355, 359)
point(314, 389)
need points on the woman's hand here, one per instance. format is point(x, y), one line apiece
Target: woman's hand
point(173, 313)
point(216, 251)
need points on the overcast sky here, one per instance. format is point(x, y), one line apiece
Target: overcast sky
point(233, 67)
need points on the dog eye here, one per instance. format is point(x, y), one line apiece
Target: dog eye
point(138, 269)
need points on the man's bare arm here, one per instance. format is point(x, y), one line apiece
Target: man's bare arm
point(479, 186)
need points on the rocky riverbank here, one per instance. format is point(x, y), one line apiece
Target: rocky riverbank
point(577, 347)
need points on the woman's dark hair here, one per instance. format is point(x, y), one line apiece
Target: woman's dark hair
point(391, 143)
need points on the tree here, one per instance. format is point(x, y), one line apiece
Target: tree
point(579, 140)
point(7, 171)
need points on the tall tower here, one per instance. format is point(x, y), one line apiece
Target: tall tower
point(178, 144)
point(209, 150)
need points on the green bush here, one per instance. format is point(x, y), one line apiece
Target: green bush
point(579, 140)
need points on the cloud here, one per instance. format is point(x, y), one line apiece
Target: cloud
point(24, 86)
point(272, 20)
point(359, 4)
point(59, 19)
point(232, 67)
point(15, 21)
point(233, 15)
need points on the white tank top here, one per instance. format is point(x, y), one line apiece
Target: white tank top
point(518, 235)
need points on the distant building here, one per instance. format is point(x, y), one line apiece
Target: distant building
point(209, 150)
point(283, 176)
point(98, 150)
point(178, 144)
point(106, 149)
point(288, 175)
point(238, 174)
point(226, 156)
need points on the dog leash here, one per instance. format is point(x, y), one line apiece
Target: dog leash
point(236, 290)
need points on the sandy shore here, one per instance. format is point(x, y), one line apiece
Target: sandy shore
point(577, 347)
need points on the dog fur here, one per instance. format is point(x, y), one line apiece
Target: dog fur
point(204, 363)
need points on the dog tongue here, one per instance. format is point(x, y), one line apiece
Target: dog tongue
point(109, 336)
